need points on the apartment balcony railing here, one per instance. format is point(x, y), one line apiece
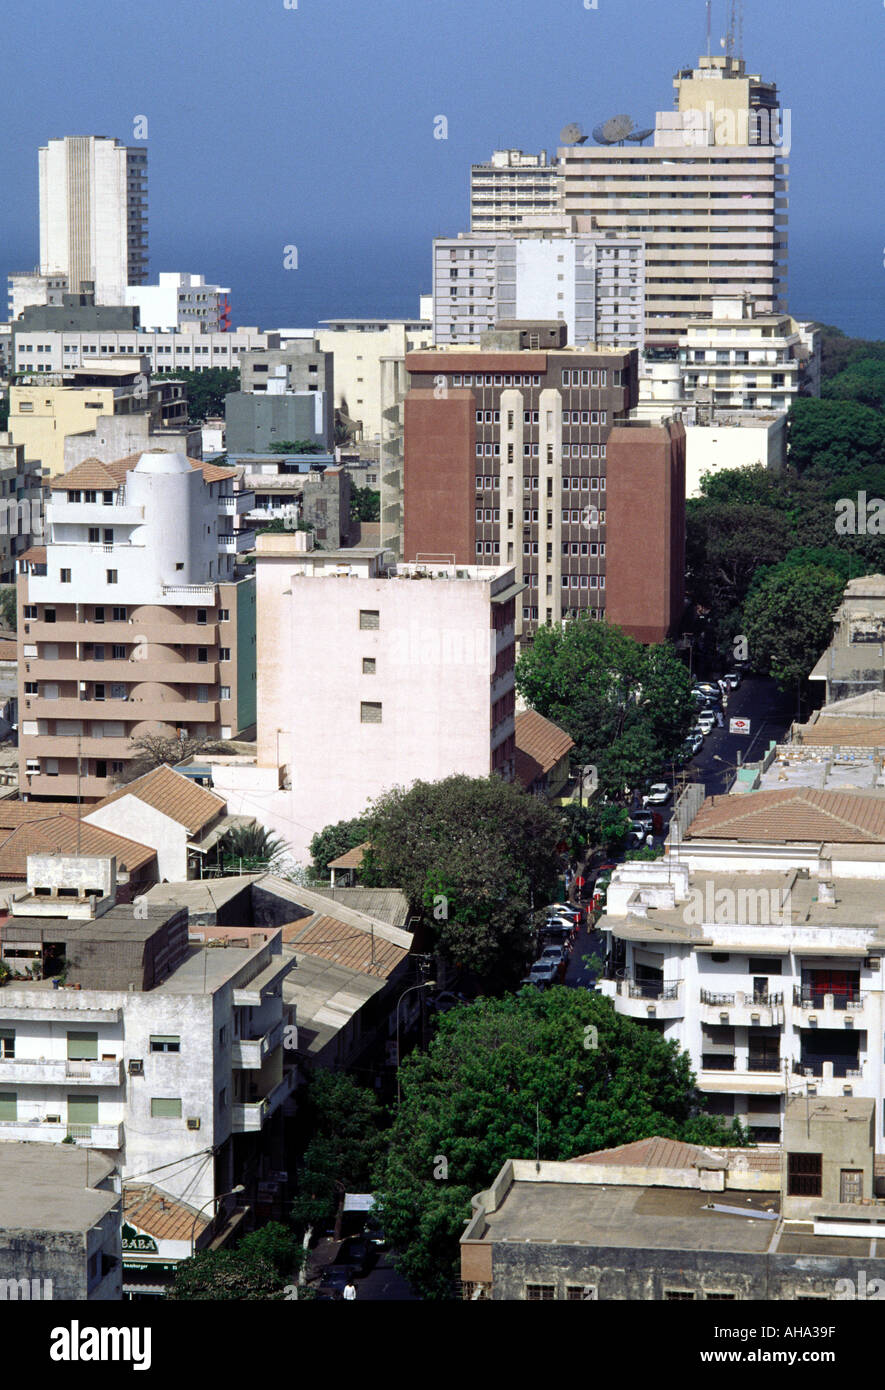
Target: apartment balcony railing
point(652, 989)
point(805, 998)
point(842, 1068)
point(760, 997)
point(770, 1064)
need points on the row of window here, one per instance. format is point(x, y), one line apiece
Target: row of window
point(488, 482)
point(487, 379)
point(546, 1293)
point(118, 615)
point(584, 451)
point(532, 417)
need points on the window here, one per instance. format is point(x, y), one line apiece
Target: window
point(540, 1293)
point(721, 1297)
point(202, 616)
point(678, 1295)
point(118, 653)
point(49, 615)
point(82, 1047)
point(370, 712)
point(224, 653)
point(165, 1107)
point(7, 1042)
point(30, 610)
point(370, 619)
point(8, 1105)
point(112, 576)
point(579, 1293)
point(224, 692)
point(202, 654)
point(804, 1175)
point(64, 576)
point(369, 666)
point(94, 535)
point(165, 1042)
point(764, 965)
point(224, 615)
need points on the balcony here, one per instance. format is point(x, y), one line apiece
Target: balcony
point(812, 1008)
point(236, 542)
point(249, 1054)
point(237, 504)
point(59, 1071)
point(155, 711)
point(647, 998)
point(719, 1073)
point(839, 1077)
point(744, 1009)
point(103, 1136)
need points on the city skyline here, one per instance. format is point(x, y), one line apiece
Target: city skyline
point(394, 178)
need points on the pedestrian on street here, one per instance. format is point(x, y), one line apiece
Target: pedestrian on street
point(349, 1291)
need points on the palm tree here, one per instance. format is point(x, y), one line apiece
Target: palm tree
point(251, 845)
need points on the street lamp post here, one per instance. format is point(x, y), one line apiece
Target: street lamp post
point(424, 984)
point(234, 1190)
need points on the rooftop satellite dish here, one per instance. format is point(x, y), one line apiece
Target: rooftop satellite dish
point(572, 134)
point(639, 136)
point(614, 131)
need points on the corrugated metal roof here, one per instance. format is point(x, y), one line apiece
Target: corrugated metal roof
point(177, 797)
point(331, 939)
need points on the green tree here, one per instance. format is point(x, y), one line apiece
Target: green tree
point(335, 840)
point(862, 381)
point(628, 707)
point(788, 621)
point(365, 504)
point(839, 435)
point(251, 846)
point(296, 446)
point(344, 1121)
point(554, 1072)
point(259, 1267)
point(8, 609)
point(206, 390)
point(473, 856)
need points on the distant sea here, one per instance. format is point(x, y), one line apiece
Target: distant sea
point(834, 279)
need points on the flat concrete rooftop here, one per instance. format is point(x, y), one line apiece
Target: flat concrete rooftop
point(49, 1187)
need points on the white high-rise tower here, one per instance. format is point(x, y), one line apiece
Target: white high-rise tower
point(93, 214)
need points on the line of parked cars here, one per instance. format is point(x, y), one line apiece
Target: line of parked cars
point(707, 696)
point(556, 934)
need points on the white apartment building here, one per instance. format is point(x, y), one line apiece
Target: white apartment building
point(373, 676)
point(27, 287)
point(167, 1058)
point(757, 946)
point(709, 198)
point(93, 214)
point(133, 618)
point(188, 348)
point(179, 298)
point(543, 269)
point(510, 187)
point(738, 358)
point(358, 347)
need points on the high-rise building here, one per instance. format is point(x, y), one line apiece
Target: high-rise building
point(510, 187)
point(357, 347)
point(133, 619)
point(547, 268)
point(179, 298)
point(93, 214)
point(505, 462)
point(709, 198)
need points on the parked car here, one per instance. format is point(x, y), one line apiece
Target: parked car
point(566, 910)
point(331, 1285)
point(551, 955)
point(695, 740)
point(658, 794)
point(358, 1254)
point(542, 974)
point(639, 831)
point(732, 679)
point(705, 688)
point(557, 931)
point(706, 721)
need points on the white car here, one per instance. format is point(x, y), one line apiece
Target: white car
point(706, 722)
point(657, 795)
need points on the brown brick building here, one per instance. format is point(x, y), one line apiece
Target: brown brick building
point(507, 461)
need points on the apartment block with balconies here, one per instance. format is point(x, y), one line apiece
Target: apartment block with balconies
point(770, 980)
point(134, 618)
point(116, 1035)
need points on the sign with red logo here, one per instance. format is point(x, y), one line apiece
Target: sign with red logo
point(738, 726)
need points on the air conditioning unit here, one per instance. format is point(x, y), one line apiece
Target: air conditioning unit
point(136, 1066)
point(193, 1122)
point(52, 1119)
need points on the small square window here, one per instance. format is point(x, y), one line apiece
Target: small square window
point(165, 1108)
point(370, 712)
point(370, 619)
point(369, 666)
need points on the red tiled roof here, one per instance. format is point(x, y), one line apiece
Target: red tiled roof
point(159, 1215)
point(784, 814)
point(539, 746)
point(14, 813)
point(649, 1153)
point(840, 729)
point(90, 474)
point(60, 834)
point(351, 859)
point(178, 797)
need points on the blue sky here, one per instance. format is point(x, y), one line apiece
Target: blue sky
point(313, 126)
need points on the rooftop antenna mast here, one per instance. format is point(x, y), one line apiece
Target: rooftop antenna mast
point(709, 24)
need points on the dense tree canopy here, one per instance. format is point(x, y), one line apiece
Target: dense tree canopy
point(261, 1267)
point(788, 620)
point(344, 1120)
point(473, 855)
point(206, 390)
point(627, 706)
point(554, 1072)
point(335, 840)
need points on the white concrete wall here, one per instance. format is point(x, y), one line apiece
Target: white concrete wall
point(712, 448)
point(136, 820)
